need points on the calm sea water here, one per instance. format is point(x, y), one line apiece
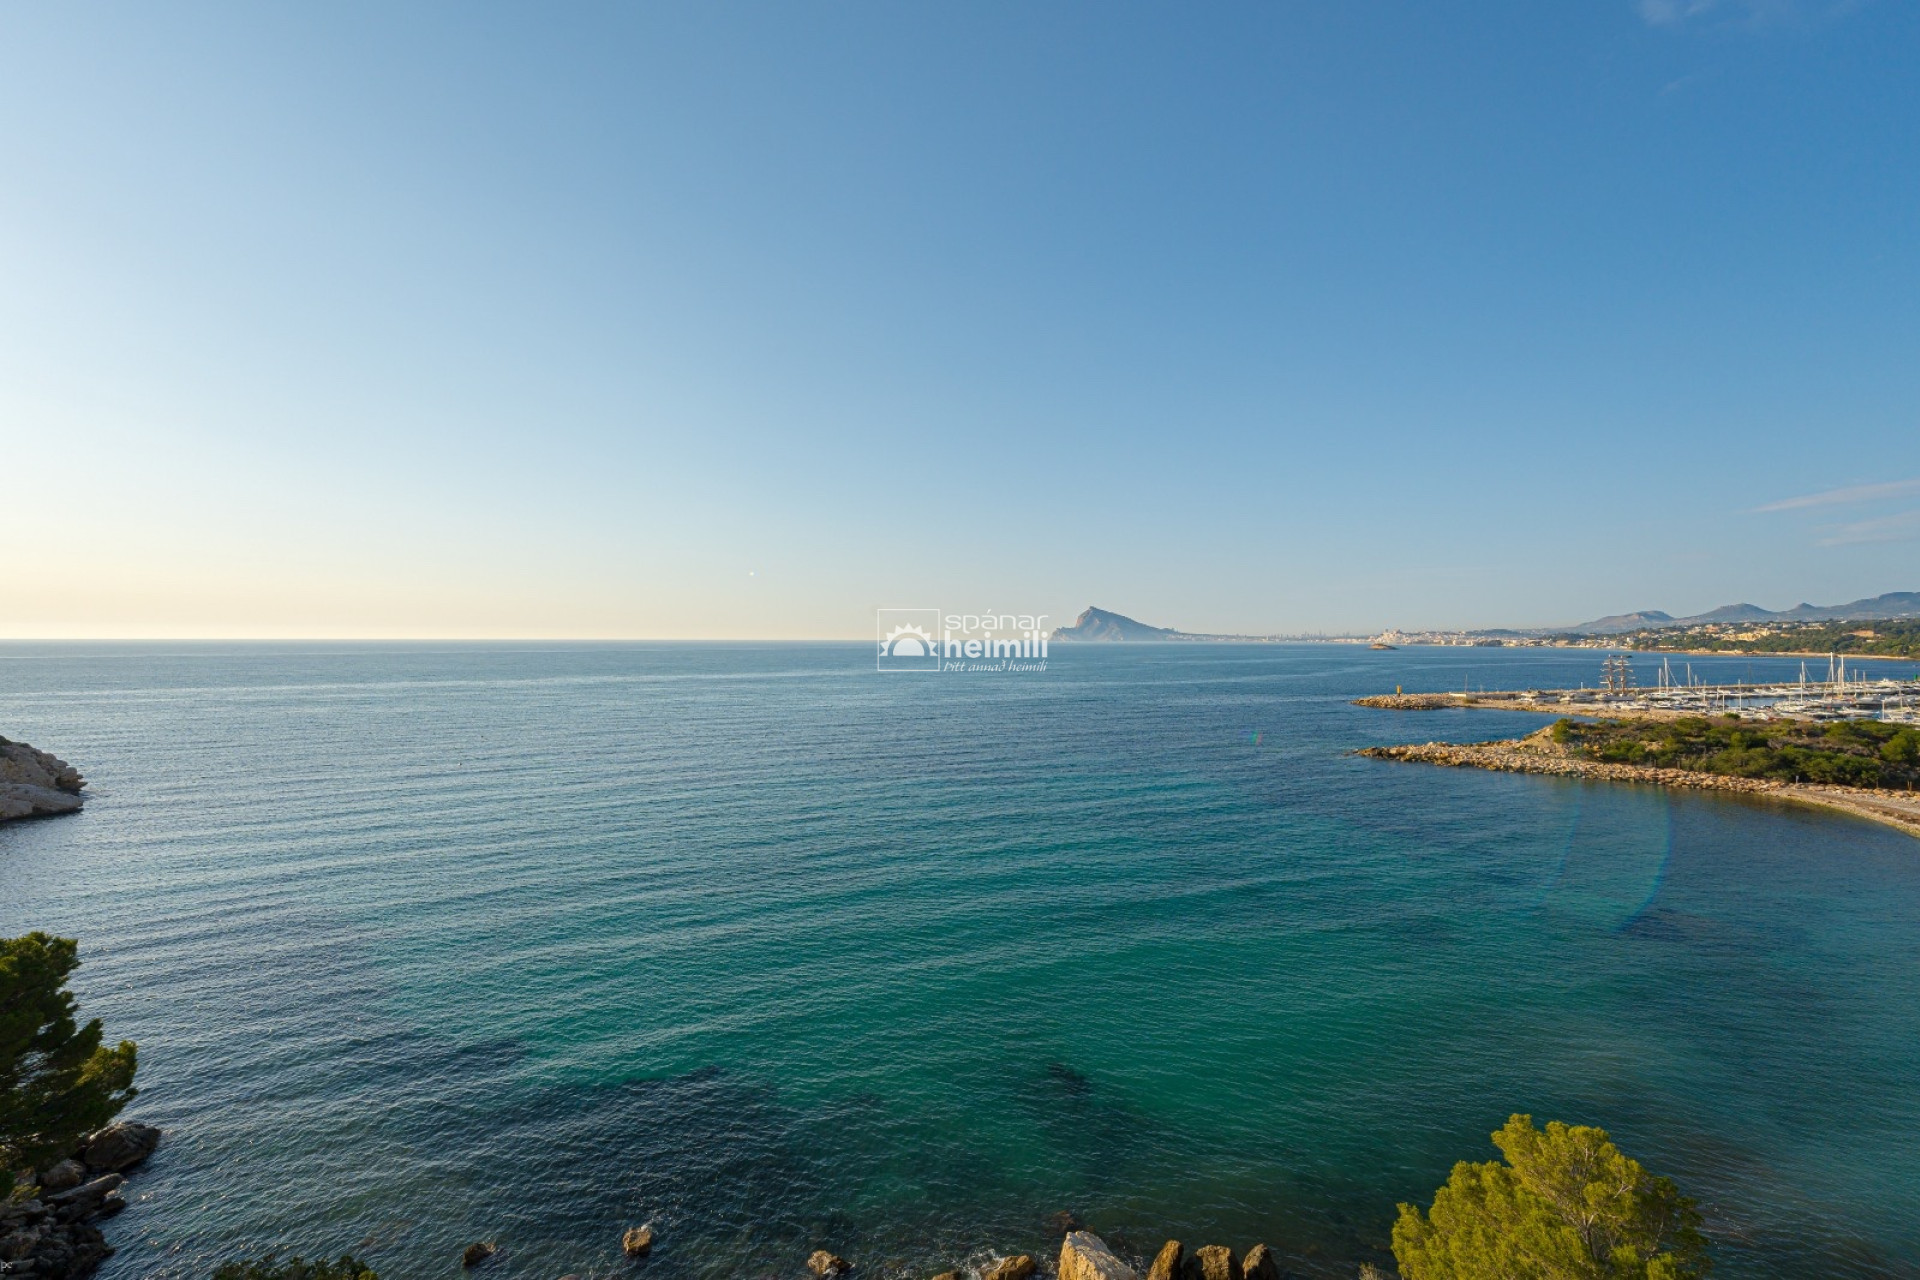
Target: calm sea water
point(426, 944)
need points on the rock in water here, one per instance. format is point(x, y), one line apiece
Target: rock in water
point(85, 1198)
point(18, 800)
point(477, 1252)
point(1064, 1221)
point(33, 782)
point(637, 1242)
point(1018, 1267)
point(119, 1147)
point(823, 1263)
point(1259, 1264)
point(1213, 1262)
point(948, 1275)
point(64, 1176)
point(60, 1252)
point(1085, 1256)
point(1166, 1263)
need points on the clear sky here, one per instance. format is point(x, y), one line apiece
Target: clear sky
point(739, 320)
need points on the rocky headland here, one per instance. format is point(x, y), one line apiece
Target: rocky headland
point(34, 783)
point(49, 1229)
point(1103, 625)
point(1099, 624)
point(1539, 753)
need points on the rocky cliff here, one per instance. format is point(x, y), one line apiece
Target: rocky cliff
point(33, 782)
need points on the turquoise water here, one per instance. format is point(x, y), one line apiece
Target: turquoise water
point(424, 944)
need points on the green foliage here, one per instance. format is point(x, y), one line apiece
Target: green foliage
point(1848, 753)
point(58, 1083)
point(1902, 748)
point(1567, 1205)
point(272, 1268)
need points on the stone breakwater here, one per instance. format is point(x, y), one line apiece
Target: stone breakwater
point(1552, 703)
point(50, 1232)
point(1415, 701)
point(1538, 753)
point(33, 783)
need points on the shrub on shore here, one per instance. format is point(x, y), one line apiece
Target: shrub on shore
point(1851, 753)
point(1567, 1205)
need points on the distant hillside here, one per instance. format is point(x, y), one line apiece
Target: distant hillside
point(1098, 624)
point(1877, 637)
point(1733, 613)
point(1894, 604)
point(1615, 623)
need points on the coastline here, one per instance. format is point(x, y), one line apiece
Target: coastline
point(1538, 754)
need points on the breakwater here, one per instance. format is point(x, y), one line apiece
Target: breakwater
point(1554, 702)
point(1537, 753)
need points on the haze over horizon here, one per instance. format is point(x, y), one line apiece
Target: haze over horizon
point(741, 320)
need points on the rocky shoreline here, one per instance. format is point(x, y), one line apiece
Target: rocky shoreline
point(51, 1233)
point(35, 784)
point(1538, 753)
point(1083, 1256)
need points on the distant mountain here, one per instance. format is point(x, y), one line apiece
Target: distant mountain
point(1894, 604)
point(1098, 624)
point(1615, 623)
point(1734, 613)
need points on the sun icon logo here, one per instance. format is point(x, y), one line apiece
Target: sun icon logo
point(905, 639)
point(907, 642)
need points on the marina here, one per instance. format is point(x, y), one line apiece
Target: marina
point(1839, 693)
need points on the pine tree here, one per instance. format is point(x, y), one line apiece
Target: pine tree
point(1567, 1205)
point(58, 1083)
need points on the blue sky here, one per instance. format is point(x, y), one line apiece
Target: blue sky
point(740, 320)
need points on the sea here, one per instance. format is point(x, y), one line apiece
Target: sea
point(427, 944)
